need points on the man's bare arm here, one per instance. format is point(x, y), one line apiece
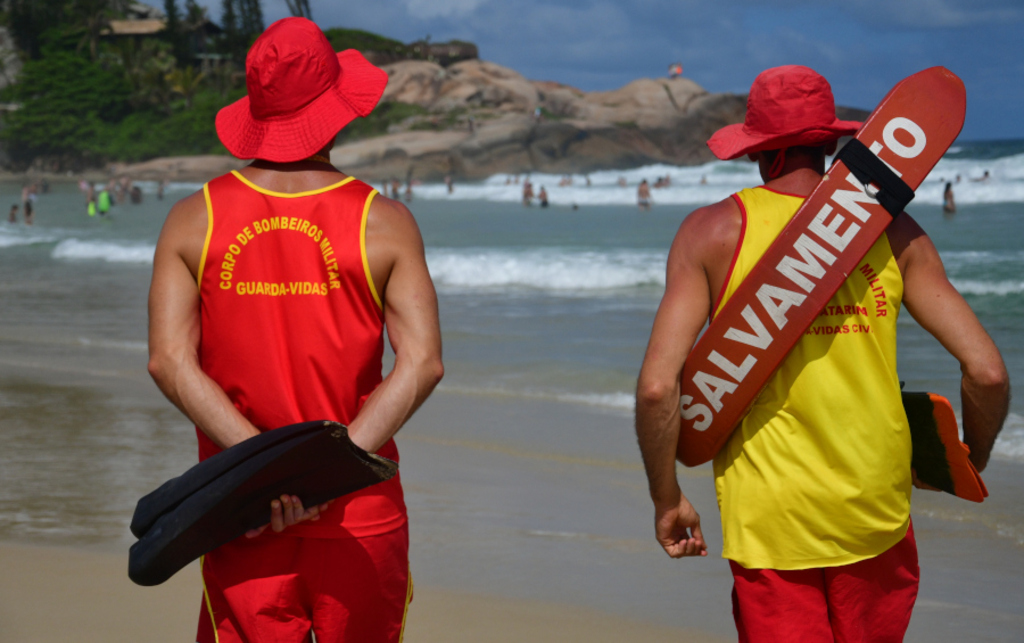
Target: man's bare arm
point(174, 328)
point(394, 250)
point(702, 238)
point(942, 311)
point(174, 346)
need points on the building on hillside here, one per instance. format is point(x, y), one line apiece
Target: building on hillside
point(143, 21)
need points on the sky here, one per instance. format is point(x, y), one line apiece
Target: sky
point(863, 47)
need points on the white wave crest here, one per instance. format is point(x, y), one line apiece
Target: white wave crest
point(11, 236)
point(551, 269)
point(1000, 288)
point(1010, 443)
point(696, 185)
point(76, 250)
point(702, 184)
point(620, 401)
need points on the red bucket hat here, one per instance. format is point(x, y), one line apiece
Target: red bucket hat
point(300, 94)
point(787, 106)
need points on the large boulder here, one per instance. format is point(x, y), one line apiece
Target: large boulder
point(646, 121)
point(471, 84)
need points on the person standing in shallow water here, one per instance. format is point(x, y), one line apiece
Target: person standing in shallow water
point(814, 484)
point(339, 571)
point(643, 195)
point(948, 203)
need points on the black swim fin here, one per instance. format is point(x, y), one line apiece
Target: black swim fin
point(316, 465)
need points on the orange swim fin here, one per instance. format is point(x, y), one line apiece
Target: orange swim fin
point(940, 458)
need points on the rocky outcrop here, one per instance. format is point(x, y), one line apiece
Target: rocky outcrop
point(505, 123)
point(177, 168)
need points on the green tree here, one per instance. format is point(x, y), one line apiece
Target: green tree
point(250, 14)
point(186, 81)
point(174, 32)
point(28, 20)
point(65, 102)
point(93, 18)
point(299, 8)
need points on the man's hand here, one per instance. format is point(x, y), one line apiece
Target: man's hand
point(286, 512)
point(677, 528)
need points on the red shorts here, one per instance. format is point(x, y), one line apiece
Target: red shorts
point(281, 589)
point(867, 601)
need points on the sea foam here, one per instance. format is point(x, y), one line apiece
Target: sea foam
point(546, 269)
point(113, 252)
point(1010, 443)
point(711, 182)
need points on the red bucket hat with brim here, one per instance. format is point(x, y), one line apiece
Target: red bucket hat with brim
point(788, 106)
point(300, 94)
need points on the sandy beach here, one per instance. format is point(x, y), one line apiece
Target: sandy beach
point(98, 603)
point(521, 531)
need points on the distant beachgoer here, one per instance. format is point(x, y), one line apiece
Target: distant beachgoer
point(565, 180)
point(703, 179)
point(621, 182)
point(543, 197)
point(103, 201)
point(90, 207)
point(395, 186)
point(44, 186)
point(527, 192)
point(448, 182)
point(13, 216)
point(408, 192)
point(587, 177)
point(124, 189)
point(516, 179)
point(136, 194)
point(643, 195)
point(948, 204)
point(28, 198)
point(160, 190)
point(675, 70)
point(957, 178)
point(984, 177)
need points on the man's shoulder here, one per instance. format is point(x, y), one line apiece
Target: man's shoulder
point(713, 225)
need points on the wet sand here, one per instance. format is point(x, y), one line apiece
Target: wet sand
point(529, 518)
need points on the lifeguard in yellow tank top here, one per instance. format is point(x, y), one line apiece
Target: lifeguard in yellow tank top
point(814, 482)
point(809, 479)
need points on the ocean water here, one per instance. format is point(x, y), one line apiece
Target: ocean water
point(551, 304)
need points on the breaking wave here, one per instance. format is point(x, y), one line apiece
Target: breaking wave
point(76, 250)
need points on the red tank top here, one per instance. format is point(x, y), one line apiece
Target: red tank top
point(292, 326)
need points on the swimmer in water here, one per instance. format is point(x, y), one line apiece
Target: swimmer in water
point(948, 204)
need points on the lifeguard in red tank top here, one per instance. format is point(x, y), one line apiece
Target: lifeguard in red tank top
point(292, 325)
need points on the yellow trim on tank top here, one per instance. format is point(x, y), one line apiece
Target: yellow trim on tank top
point(362, 248)
point(291, 195)
point(209, 234)
point(206, 597)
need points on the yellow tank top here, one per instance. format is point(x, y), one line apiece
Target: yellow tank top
point(818, 473)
